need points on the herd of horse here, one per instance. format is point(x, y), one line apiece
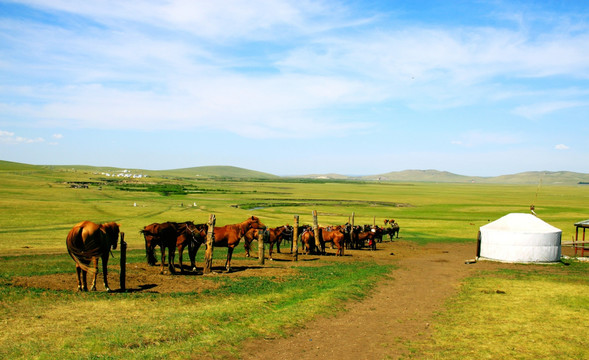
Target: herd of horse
point(87, 241)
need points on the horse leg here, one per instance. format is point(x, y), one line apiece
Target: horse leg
point(84, 282)
point(95, 266)
point(246, 246)
point(79, 272)
point(163, 252)
point(229, 255)
point(270, 250)
point(193, 256)
point(105, 272)
point(171, 254)
point(180, 251)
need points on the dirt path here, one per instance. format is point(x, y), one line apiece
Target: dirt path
point(379, 327)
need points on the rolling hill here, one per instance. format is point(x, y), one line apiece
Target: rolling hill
point(232, 172)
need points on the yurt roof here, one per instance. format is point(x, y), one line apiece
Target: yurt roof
point(519, 222)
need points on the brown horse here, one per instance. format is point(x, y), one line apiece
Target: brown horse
point(308, 240)
point(189, 235)
point(334, 235)
point(171, 235)
point(278, 234)
point(163, 235)
point(151, 235)
point(229, 236)
point(249, 237)
point(86, 242)
point(275, 236)
point(393, 230)
point(359, 237)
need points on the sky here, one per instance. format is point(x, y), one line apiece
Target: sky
point(478, 88)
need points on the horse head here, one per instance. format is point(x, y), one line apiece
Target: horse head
point(254, 223)
point(197, 232)
point(111, 230)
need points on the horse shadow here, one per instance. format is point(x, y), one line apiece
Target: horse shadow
point(140, 288)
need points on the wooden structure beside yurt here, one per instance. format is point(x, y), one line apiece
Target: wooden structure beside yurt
point(520, 238)
point(582, 245)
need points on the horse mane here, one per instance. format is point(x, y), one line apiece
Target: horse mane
point(243, 226)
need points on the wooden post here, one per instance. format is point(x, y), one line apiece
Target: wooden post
point(261, 237)
point(352, 243)
point(374, 222)
point(208, 265)
point(123, 262)
point(295, 238)
point(316, 231)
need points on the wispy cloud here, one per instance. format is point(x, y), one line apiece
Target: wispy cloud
point(10, 138)
point(561, 147)
point(258, 68)
point(538, 110)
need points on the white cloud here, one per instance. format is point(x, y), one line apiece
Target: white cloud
point(535, 111)
point(10, 138)
point(184, 64)
point(57, 136)
point(561, 147)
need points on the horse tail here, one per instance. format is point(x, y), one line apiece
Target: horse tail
point(149, 248)
point(77, 249)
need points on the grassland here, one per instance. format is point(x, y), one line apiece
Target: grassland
point(38, 206)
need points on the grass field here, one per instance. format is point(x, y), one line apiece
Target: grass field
point(38, 207)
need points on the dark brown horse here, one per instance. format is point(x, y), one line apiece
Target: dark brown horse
point(393, 230)
point(163, 235)
point(190, 235)
point(151, 235)
point(86, 242)
point(361, 236)
point(171, 235)
point(229, 236)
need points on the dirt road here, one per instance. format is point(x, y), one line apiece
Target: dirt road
point(379, 327)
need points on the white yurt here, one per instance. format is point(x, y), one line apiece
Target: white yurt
point(519, 238)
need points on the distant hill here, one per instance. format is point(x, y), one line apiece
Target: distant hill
point(531, 177)
point(546, 177)
point(215, 172)
point(419, 175)
point(15, 166)
point(324, 177)
point(193, 172)
point(232, 172)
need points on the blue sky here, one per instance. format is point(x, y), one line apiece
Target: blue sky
point(478, 88)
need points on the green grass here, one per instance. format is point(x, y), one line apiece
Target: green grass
point(528, 313)
point(38, 208)
point(136, 326)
